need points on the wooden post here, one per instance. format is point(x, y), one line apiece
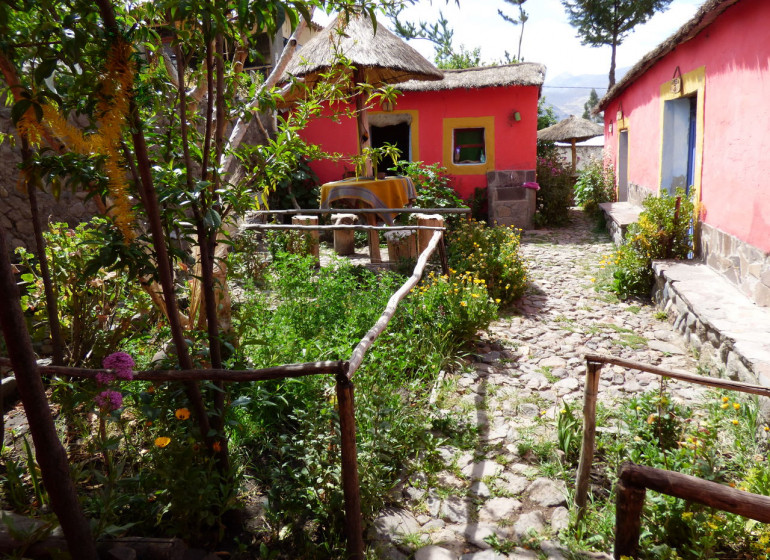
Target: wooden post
point(312, 236)
point(350, 485)
point(49, 452)
point(628, 519)
point(593, 371)
point(574, 156)
point(402, 245)
point(424, 236)
point(362, 122)
point(374, 240)
point(344, 239)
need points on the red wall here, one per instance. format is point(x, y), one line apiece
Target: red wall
point(735, 51)
point(515, 141)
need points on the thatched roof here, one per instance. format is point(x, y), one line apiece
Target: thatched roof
point(384, 58)
point(704, 17)
point(523, 74)
point(571, 128)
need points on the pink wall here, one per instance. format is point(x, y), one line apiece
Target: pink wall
point(515, 141)
point(735, 51)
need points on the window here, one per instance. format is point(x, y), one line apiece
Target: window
point(468, 146)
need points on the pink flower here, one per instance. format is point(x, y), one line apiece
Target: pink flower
point(121, 363)
point(109, 400)
point(104, 377)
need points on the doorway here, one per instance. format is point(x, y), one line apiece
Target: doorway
point(679, 131)
point(623, 166)
point(398, 135)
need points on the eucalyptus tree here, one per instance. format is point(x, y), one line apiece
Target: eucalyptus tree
point(608, 22)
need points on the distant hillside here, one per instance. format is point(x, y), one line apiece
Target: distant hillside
point(574, 91)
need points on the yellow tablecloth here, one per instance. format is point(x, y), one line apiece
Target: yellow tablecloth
point(390, 192)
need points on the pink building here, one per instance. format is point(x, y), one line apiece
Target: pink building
point(693, 114)
point(480, 123)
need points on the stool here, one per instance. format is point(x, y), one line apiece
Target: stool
point(344, 239)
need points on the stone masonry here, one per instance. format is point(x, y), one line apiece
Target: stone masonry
point(510, 204)
point(15, 215)
point(743, 265)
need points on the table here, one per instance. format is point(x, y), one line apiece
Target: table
point(390, 192)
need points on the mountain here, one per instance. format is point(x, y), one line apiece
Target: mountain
point(567, 93)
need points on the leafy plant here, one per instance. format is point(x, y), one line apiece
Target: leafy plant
point(434, 188)
point(595, 184)
point(568, 431)
point(555, 196)
point(492, 255)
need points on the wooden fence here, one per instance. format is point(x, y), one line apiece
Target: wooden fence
point(343, 372)
point(635, 479)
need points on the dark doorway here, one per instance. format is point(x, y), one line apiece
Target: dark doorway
point(396, 134)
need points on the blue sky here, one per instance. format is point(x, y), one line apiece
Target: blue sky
point(548, 37)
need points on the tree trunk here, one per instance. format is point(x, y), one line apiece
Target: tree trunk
point(49, 452)
point(612, 63)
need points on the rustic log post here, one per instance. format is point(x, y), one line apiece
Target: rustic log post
point(593, 371)
point(50, 454)
point(350, 485)
point(402, 245)
point(424, 236)
point(311, 237)
point(628, 518)
point(344, 239)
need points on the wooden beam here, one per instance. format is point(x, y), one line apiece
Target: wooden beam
point(681, 375)
point(362, 211)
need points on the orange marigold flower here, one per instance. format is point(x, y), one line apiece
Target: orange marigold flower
point(182, 414)
point(162, 441)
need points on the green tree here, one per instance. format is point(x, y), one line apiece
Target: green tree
point(520, 20)
point(608, 22)
point(588, 107)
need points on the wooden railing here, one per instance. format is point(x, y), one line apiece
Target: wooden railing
point(343, 372)
point(634, 479)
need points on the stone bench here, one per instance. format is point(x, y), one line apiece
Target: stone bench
point(730, 333)
point(619, 215)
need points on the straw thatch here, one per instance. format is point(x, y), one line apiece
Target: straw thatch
point(704, 17)
point(523, 74)
point(383, 57)
point(572, 128)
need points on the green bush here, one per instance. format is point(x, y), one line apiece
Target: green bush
point(595, 184)
point(662, 232)
point(490, 254)
point(433, 186)
point(555, 196)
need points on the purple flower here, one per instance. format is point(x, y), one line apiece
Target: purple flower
point(104, 377)
point(121, 363)
point(109, 400)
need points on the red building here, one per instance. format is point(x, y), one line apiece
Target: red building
point(480, 123)
point(693, 114)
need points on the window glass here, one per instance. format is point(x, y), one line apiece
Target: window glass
point(468, 146)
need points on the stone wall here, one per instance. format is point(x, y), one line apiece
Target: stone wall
point(15, 215)
point(510, 204)
point(742, 264)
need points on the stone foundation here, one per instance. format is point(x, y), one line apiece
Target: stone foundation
point(510, 204)
point(742, 264)
point(15, 215)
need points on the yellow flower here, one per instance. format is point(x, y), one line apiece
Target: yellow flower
point(463, 304)
point(474, 295)
point(735, 422)
point(162, 441)
point(593, 279)
point(182, 414)
point(725, 399)
point(767, 428)
point(686, 516)
point(736, 406)
point(724, 406)
point(497, 300)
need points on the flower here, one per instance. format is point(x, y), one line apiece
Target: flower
point(735, 422)
point(182, 414)
point(725, 399)
point(109, 400)
point(120, 363)
point(736, 405)
point(104, 378)
point(162, 441)
point(463, 304)
point(217, 446)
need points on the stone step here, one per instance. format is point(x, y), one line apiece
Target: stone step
point(729, 331)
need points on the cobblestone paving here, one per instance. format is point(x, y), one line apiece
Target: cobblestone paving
point(526, 366)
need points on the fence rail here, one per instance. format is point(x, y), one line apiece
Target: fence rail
point(635, 479)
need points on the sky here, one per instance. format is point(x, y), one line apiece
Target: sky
point(548, 37)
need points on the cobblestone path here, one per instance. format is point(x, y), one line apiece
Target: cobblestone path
point(527, 365)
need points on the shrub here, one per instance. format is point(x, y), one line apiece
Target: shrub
point(490, 254)
point(433, 186)
point(595, 184)
point(555, 195)
point(662, 232)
